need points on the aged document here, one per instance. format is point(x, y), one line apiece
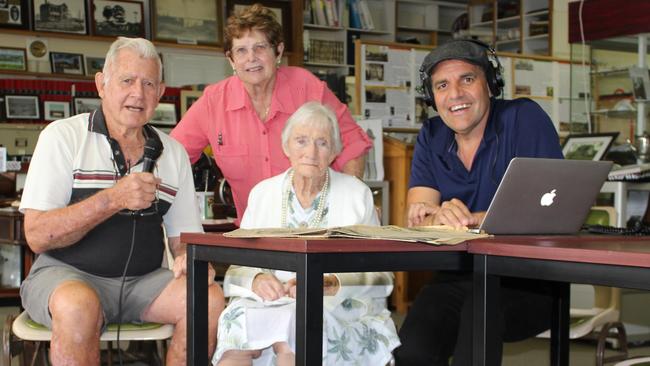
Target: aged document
point(424, 234)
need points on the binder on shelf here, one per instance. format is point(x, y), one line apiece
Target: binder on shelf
point(366, 16)
point(355, 17)
point(318, 10)
point(331, 13)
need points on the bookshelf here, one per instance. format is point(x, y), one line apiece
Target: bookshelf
point(515, 26)
point(425, 21)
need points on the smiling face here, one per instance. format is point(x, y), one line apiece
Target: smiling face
point(462, 97)
point(310, 149)
point(253, 58)
point(132, 91)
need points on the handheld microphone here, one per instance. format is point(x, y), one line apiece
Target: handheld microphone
point(152, 150)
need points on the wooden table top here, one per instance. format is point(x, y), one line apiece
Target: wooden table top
point(320, 245)
point(613, 250)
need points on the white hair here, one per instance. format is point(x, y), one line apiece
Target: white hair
point(144, 48)
point(317, 115)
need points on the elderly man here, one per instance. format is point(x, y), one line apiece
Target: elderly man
point(459, 159)
point(96, 218)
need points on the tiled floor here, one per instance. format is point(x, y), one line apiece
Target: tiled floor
point(532, 352)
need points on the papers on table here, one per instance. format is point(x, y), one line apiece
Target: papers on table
point(424, 234)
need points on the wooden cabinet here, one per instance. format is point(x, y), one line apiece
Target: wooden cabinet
point(13, 248)
point(517, 26)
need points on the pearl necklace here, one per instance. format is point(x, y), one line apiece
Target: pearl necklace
point(320, 209)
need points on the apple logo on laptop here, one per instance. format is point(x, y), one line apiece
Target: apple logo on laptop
point(547, 198)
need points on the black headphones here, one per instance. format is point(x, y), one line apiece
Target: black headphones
point(492, 68)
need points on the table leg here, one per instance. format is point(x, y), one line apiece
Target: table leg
point(486, 305)
point(197, 309)
point(560, 324)
point(309, 311)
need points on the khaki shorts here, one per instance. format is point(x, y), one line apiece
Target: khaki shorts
point(48, 273)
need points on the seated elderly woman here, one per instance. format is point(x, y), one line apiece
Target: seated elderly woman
point(258, 327)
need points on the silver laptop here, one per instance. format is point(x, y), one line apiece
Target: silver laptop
point(545, 196)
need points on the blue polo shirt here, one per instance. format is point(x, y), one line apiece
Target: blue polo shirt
point(515, 128)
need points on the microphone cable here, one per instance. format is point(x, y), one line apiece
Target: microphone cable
point(119, 306)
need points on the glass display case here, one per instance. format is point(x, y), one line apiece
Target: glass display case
point(15, 256)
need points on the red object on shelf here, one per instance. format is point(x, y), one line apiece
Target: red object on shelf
point(608, 18)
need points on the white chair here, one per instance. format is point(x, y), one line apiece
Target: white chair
point(23, 337)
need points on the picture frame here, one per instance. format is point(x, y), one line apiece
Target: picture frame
point(588, 146)
point(86, 105)
point(14, 14)
point(164, 115)
point(67, 63)
point(94, 65)
point(282, 9)
point(22, 107)
point(188, 97)
point(112, 18)
point(13, 59)
point(199, 24)
point(67, 17)
point(54, 110)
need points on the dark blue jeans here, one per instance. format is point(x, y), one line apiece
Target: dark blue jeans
point(439, 322)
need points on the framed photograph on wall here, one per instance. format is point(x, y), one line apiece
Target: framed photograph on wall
point(65, 16)
point(22, 107)
point(164, 115)
point(174, 21)
point(86, 105)
point(67, 63)
point(188, 97)
point(588, 147)
point(13, 59)
point(14, 14)
point(113, 18)
point(53, 110)
point(94, 65)
point(282, 10)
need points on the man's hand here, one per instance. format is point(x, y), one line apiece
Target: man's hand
point(268, 287)
point(455, 213)
point(180, 268)
point(136, 191)
point(419, 211)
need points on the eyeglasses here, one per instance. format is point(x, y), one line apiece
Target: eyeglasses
point(258, 49)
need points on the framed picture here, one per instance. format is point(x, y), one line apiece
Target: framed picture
point(86, 105)
point(188, 97)
point(13, 59)
point(282, 10)
point(53, 110)
point(94, 65)
point(199, 23)
point(22, 107)
point(165, 115)
point(588, 147)
point(14, 14)
point(67, 63)
point(65, 16)
point(113, 18)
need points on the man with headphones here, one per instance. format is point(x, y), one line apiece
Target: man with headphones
point(459, 160)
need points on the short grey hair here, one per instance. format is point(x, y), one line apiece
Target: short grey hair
point(141, 46)
point(317, 115)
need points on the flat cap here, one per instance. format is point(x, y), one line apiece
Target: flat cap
point(464, 50)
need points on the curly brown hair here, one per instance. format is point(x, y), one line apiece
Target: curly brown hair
point(256, 17)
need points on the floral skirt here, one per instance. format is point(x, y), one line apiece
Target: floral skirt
point(353, 334)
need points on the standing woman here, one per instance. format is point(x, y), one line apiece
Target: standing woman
point(258, 326)
point(242, 116)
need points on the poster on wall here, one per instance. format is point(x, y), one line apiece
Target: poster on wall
point(14, 14)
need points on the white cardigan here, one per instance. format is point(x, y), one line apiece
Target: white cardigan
point(350, 202)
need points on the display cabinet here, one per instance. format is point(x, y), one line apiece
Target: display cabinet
point(425, 21)
point(15, 256)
